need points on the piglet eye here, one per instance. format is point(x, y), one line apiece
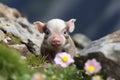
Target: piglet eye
point(47, 32)
point(65, 32)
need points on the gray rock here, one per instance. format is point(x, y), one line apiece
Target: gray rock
point(80, 41)
point(21, 48)
point(108, 45)
point(24, 30)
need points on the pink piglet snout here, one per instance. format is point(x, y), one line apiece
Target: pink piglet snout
point(56, 41)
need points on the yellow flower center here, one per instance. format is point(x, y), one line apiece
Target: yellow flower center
point(38, 78)
point(65, 58)
point(91, 69)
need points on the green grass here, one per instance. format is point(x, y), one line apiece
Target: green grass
point(12, 67)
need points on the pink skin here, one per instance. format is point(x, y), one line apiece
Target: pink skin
point(56, 38)
point(56, 41)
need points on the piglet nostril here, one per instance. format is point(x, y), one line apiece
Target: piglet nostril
point(56, 41)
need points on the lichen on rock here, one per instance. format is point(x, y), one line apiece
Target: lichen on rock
point(21, 30)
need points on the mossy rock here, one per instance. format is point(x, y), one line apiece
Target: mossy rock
point(14, 39)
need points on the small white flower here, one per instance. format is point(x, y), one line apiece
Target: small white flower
point(38, 76)
point(97, 77)
point(64, 59)
point(92, 66)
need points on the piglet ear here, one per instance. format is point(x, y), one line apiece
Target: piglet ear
point(71, 24)
point(40, 26)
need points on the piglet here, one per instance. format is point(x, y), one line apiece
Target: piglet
point(57, 38)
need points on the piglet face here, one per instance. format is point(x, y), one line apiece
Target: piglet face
point(56, 31)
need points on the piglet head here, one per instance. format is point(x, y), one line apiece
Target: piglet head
point(56, 31)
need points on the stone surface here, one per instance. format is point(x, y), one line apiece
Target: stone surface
point(24, 30)
point(108, 45)
point(81, 41)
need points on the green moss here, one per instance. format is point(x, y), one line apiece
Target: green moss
point(11, 65)
point(15, 40)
